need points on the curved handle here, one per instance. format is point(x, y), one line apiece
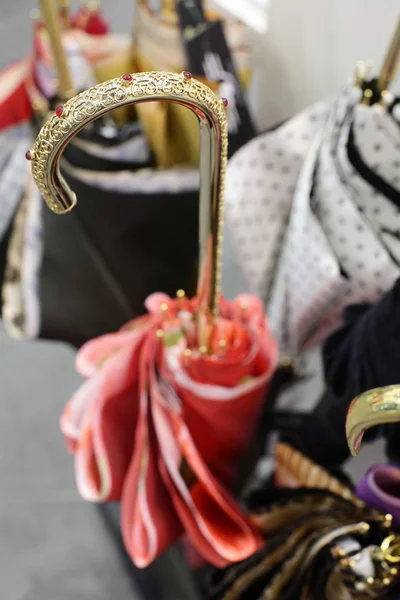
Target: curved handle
point(375, 407)
point(145, 87)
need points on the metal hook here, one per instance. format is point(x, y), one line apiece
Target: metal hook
point(182, 89)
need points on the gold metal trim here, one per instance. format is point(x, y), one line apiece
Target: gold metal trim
point(375, 407)
point(52, 22)
point(182, 89)
point(391, 62)
point(391, 549)
point(64, 12)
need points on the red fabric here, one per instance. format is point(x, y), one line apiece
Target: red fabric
point(90, 21)
point(162, 429)
point(15, 105)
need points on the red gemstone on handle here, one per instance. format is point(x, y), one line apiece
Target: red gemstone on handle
point(127, 77)
point(225, 102)
point(187, 75)
point(59, 111)
point(28, 155)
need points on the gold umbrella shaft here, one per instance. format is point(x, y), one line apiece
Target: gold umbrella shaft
point(63, 9)
point(391, 62)
point(53, 26)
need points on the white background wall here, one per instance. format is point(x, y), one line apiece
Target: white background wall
point(311, 47)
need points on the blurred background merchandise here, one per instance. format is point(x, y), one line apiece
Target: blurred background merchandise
point(52, 545)
point(285, 53)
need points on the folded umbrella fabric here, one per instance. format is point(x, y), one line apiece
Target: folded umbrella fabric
point(382, 157)
point(19, 235)
point(329, 238)
point(353, 233)
point(351, 250)
point(162, 426)
point(331, 244)
point(20, 290)
point(13, 167)
point(360, 215)
point(15, 137)
point(261, 179)
point(380, 203)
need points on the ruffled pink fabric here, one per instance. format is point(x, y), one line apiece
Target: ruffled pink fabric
point(162, 429)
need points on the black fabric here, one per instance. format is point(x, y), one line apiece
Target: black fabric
point(103, 259)
point(281, 380)
point(3, 257)
point(377, 182)
point(104, 131)
point(363, 354)
point(80, 158)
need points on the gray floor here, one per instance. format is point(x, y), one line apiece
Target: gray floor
point(52, 545)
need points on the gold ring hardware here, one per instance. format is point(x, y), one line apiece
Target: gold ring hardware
point(129, 89)
point(391, 549)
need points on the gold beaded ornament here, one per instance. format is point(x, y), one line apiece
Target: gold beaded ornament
point(128, 89)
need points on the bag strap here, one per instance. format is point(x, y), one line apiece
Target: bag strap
point(100, 100)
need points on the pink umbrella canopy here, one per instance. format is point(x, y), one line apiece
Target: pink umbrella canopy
point(171, 400)
point(161, 425)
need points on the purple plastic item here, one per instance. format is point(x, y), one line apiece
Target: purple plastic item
point(380, 488)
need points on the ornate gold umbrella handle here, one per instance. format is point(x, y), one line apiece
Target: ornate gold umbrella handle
point(375, 407)
point(182, 89)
